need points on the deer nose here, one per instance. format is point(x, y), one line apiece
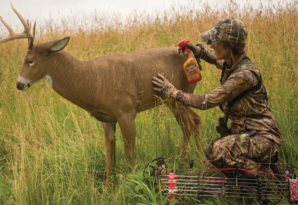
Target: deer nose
point(20, 86)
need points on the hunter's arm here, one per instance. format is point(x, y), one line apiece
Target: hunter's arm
point(201, 53)
point(209, 56)
point(234, 86)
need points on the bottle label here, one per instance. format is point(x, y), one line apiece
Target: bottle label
point(191, 68)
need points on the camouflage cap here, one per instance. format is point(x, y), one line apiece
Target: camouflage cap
point(228, 30)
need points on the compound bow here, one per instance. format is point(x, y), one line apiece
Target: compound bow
point(191, 182)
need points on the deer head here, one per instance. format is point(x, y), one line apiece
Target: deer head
point(36, 60)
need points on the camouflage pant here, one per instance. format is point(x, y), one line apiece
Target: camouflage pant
point(242, 151)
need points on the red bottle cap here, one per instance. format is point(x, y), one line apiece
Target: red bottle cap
point(181, 45)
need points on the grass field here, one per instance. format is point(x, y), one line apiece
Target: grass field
point(52, 152)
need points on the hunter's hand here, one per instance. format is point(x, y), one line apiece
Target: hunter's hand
point(195, 49)
point(163, 87)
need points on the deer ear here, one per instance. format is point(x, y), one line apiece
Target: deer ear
point(60, 44)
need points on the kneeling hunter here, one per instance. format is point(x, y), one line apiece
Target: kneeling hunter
point(254, 139)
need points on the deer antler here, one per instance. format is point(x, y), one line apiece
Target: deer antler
point(25, 34)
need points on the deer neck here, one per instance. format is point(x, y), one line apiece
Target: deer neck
point(66, 74)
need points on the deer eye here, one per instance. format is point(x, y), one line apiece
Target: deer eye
point(30, 62)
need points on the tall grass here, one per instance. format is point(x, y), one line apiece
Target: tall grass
point(52, 152)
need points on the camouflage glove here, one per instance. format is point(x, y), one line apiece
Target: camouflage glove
point(195, 49)
point(163, 87)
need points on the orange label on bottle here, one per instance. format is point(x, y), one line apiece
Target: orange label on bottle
point(191, 70)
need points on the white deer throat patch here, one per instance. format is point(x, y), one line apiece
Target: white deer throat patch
point(49, 80)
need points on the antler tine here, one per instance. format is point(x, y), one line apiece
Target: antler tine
point(25, 24)
point(33, 30)
point(6, 25)
point(29, 24)
point(12, 34)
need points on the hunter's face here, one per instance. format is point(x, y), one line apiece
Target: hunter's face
point(220, 51)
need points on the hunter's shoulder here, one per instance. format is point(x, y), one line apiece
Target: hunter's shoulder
point(247, 71)
point(247, 64)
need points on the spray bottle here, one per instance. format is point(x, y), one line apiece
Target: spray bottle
point(190, 66)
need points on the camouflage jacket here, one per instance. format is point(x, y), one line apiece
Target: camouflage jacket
point(250, 112)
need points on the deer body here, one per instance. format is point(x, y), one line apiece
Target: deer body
point(100, 84)
point(112, 88)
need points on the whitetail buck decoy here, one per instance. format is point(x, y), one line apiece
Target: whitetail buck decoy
point(112, 88)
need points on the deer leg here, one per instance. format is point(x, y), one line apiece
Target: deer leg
point(110, 151)
point(128, 129)
point(189, 122)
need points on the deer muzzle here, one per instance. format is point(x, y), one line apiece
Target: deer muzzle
point(23, 83)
